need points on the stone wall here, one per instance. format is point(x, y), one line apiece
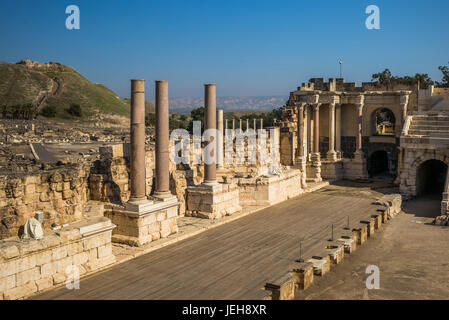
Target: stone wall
point(269, 190)
point(59, 193)
point(109, 180)
point(29, 267)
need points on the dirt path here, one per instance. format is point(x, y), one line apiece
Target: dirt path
point(412, 256)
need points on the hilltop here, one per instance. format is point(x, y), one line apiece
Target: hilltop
point(58, 86)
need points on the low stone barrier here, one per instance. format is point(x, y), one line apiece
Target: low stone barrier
point(269, 190)
point(302, 275)
point(28, 267)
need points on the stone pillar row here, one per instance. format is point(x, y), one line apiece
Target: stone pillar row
point(137, 152)
point(308, 130)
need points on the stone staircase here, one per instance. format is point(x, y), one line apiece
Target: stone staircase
point(429, 126)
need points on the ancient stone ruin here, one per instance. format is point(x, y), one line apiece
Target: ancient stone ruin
point(109, 187)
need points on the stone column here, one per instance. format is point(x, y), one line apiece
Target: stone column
point(331, 154)
point(210, 99)
point(359, 151)
point(162, 140)
point(254, 125)
point(300, 132)
point(404, 104)
point(138, 192)
point(240, 124)
point(316, 128)
point(220, 139)
point(261, 123)
point(309, 131)
point(338, 131)
point(233, 124)
point(316, 156)
point(247, 124)
point(226, 124)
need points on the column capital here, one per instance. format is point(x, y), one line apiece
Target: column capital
point(360, 107)
point(316, 106)
point(404, 100)
point(300, 106)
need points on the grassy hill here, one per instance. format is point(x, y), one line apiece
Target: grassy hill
point(58, 86)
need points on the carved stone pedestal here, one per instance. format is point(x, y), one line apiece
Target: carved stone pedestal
point(314, 168)
point(212, 201)
point(144, 221)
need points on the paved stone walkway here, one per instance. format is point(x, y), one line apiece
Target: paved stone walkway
point(234, 260)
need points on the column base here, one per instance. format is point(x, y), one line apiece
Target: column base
point(331, 156)
point(141, 222)
point(301, 164)
point(314, 168)
point(212, 201)
point(163, 196)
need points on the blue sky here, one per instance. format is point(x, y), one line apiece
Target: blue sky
point(249, 48)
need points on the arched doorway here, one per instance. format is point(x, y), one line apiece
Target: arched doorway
point(431, 178)
point(383, 122)
point(380, 164)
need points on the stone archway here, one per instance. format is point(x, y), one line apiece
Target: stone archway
point(379, 164)
point(431, 178)
point(383, 122)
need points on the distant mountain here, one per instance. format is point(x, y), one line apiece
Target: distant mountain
point(230, 103)
point(53, 84)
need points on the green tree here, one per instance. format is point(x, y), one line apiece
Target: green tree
point(384, 77)
point(445, 81)
point(197, 115)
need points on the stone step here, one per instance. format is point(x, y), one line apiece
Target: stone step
point(439, 133)
point(430, 122)
point(428, 127)
point(430, 118)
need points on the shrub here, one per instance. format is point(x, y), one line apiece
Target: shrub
point(49, 111)
point(75, 110)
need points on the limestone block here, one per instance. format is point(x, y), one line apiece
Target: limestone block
point(61, 265)
point(302, 275)
point(165, 228)
point(377, 221)
point(362, 233)
point(51, 241)
point(28, 275)
point(80, 258)
point(45, 283)
point(370, 226)
point(9, 251)
point(350, 243)
point(25, 263)
point(321, 265)
point(8, 282)
point(104, 251)
point(59, 278)
point(93, 254)
point(21, 292)
point(48, 269)
point(43, 257)
point(336, 252)
point(59, 253)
